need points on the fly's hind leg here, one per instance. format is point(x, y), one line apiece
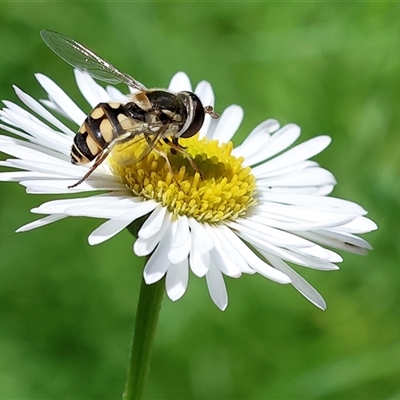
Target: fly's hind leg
point(100, 158)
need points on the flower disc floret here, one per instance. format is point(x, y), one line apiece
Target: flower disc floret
point(224, 190)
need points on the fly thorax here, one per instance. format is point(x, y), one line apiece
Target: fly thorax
point(169, 106)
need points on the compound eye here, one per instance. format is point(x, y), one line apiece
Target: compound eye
point(195, 115)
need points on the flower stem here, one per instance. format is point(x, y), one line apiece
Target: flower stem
point(147, 313)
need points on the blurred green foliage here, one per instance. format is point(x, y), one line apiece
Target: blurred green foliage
point(67, 309)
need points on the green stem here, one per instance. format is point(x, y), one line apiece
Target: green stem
point(147, 313)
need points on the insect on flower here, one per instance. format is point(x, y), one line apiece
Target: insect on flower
point(151, 115)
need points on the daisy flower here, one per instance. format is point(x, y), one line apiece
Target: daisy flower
point(261, 207)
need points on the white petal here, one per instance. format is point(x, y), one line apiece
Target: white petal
point(181, 242)
point(199, 262)
point(53, 107)
point(313, 256)
point(154, 223)
point(317, 252)
point(299, 218)
point(180, 82)
point(58, 186)
point(206, 95)
point(216, 287)
point(49, 165)
point(158, 263)
point(307, 177)
point(177, 279)
point(271, 239)
point(200, 238)
point(14, 131)
point(107, 230)
point(224, 235)
point(255, 227)
point(301, 152)
point(32, 142)
point(307, 261)
point(17, 111)
point(227, 124)
point(224, 262)
point(38, 132)
point(331, 204)
point(40, 222)
point(257, 140)
point(299, 283)
point(256, 263)
point(91, 91)
point(143, 246)
point(108, 211)
point(289, 169)
point(341, 241)
point(115, 94)
point(61, 99)
point(40, 110)
point(359, 225)
point(124, 209)
point(313, 190)
point(182, 232)
point(17, 176)
point(279, 141)
point(62, 205)
point(29, 151)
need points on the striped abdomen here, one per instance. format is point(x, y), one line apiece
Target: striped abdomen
point(102, 126)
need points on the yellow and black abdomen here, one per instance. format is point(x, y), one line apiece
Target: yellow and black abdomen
point(101, 127)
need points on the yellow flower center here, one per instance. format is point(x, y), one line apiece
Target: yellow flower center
point(224, 190)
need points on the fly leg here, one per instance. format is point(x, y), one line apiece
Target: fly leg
point(99, 159)
point(177, 148)
point(164, 155)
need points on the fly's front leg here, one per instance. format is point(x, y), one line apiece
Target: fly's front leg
point(177, 148)
point(164, 155)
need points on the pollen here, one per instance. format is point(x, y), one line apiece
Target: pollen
point(220, 189)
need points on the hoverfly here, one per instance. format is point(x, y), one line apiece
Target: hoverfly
point(152, 114)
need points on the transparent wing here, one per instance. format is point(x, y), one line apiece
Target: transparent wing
point(85, 60)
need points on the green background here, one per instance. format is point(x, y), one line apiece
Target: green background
point(67, 309)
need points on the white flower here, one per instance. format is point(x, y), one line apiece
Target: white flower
point(259, 209)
